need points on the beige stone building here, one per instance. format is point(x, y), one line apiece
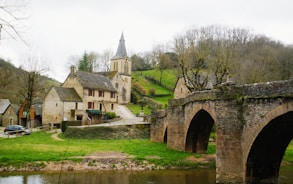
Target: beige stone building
point(83, 96)
point(62, 104)
point(180, 90)
point(86, 96)
point(8, 114)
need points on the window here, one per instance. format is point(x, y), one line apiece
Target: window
point(116, 85)
point(90, 105)
point(76, 105)
point(112, 95)
point(112, 106)
point(72, 113)
point(115, 66)
point(126, 67)
point(78, 117)
point(101, 93)
point(91, 92)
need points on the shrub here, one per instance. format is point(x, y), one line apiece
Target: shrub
point(152, 91)
point(110, 115)
point(63, 126)
point(139, 89)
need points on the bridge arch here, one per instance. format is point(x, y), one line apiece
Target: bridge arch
point(198, 128)
point(166, 134)
point(266, 144)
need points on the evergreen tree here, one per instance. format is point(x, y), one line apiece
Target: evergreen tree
point(85, 63)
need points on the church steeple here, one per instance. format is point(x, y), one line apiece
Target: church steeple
point(121, 51)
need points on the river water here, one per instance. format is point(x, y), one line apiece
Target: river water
point(200, 176)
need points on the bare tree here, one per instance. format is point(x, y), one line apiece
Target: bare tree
point(191, 49)
point(162, 59)
point(12, 18)
point(73, 61)
point(104, 60)
point(32, 83)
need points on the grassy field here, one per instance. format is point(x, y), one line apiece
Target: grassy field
point(41, 147)
point(169, 76)
point(169, 79)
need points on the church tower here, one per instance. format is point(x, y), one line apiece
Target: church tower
point(121, 64)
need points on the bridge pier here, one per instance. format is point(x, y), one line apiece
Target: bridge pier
point(229, 158)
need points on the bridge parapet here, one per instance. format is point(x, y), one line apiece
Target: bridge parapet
point(228, 91)
point(269, 89)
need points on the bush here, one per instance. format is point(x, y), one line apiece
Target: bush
point(110, 115)
point(152, 91)
point(63, 126)
point(139, 89)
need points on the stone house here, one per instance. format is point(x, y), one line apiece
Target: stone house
point(62, 104)
point(83, 96)
point(120, 84)
point(99, 92)
point(180, 90)
point(35, 115)
point(8, 113)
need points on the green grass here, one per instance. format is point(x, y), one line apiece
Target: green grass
point(147, 85)
point(169, 79)
point(135, 109)
point(41, 147)
point(169, 76)
point(288, 156)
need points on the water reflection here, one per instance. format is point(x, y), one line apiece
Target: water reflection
point(202, 176)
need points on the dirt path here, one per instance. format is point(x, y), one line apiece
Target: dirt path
point(55, 137)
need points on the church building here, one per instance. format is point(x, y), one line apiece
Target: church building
point(121, 65)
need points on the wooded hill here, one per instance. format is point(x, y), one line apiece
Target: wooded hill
point(12, 82)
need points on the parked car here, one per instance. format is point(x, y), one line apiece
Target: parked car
point(16, 129)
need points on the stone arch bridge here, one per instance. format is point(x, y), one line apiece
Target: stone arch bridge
point(254, 125)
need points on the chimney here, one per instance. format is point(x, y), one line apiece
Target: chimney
point(72, 70)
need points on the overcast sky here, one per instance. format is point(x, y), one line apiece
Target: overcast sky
point(58, 29)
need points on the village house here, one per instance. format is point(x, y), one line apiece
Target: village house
point(83, 97)
point(61, 104)
point(180, 90)
point(8, 113)
point(35, 115)
point(87, 96)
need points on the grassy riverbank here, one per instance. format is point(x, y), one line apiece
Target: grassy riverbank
point(41, 147)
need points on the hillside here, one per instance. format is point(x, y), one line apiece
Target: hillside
point(11, 81)
point(146, 84)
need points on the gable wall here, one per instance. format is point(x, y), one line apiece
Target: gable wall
point(9, 117)
point(180, 90)
point(52, 108)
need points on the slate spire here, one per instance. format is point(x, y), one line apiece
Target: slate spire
point(121, 51)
